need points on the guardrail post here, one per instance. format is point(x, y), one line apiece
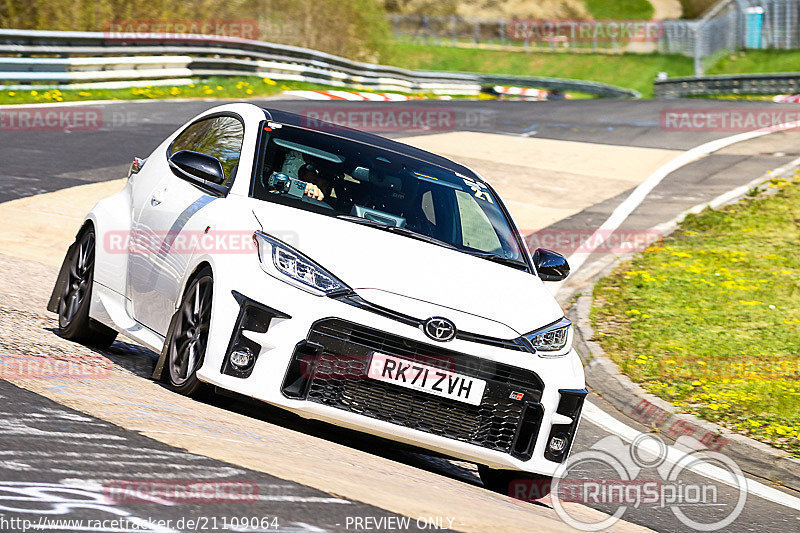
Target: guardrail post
point(698, 60)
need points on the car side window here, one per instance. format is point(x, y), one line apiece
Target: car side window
point(476, 229)
point(219, 137)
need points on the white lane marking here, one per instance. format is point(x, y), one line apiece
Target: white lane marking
point(62, 500)
point(16, 465)
point(600, 418)
point(99, 485)
point(623, 210)
point(666, 227)
point(727, 197)
point(302, 499)
point(146, 454)
point(210, 472)
point(15, 428)
point(298, 527)
point(137, 462)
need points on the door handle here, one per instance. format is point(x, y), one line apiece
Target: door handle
point(157, 197)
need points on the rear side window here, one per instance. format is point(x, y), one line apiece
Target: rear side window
point(219, 137)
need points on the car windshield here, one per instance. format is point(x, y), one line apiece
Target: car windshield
point(381, 188)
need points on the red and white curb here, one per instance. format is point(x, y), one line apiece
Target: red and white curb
point(348, 95)
point(787, 99)
point(522, 92)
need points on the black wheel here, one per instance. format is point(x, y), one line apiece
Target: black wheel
point(521, 485)
point(74, 322)
point(187, 344)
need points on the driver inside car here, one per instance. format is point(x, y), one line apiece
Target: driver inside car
point(317, 186)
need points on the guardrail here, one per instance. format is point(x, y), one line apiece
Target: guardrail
point(563, 85)
point(60, 58)
point(778, 83)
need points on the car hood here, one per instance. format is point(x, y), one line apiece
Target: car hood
point(417, 278)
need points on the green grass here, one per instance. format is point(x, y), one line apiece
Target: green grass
point(709, 318)
point(754, 61)
point(620, 9)
point(633, 71)
point(226, 88)
point(215, 87)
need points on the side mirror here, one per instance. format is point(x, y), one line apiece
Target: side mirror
point(198, 166)
point(550, 266)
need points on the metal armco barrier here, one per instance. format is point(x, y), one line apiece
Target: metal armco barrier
point(563, 85)
point(62, 58)
point(734, 84)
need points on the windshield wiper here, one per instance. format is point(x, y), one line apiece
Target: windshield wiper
point(401, 231)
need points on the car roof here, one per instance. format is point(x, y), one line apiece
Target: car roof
point(293, 119)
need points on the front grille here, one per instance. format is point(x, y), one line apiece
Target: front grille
point(337, 378)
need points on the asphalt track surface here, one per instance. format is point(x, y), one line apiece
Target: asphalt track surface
point(37, 432)
point(54, 456)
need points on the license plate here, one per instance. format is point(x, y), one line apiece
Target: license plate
point(426, 378)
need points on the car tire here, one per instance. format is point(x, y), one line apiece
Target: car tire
point(187, 343)
point(514, 483)
point(74, 322)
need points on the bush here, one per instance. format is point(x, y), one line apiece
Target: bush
point(488, 9)
point(693, 9)
point(621, 9)
point(354, 28)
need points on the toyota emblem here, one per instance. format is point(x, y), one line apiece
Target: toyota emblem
point(439, 329)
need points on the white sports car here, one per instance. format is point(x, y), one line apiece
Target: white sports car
point(340, 275)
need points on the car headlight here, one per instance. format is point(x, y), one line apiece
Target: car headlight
point(283, 262)
point(550, 340)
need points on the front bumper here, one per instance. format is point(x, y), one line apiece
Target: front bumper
point(312, 356)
